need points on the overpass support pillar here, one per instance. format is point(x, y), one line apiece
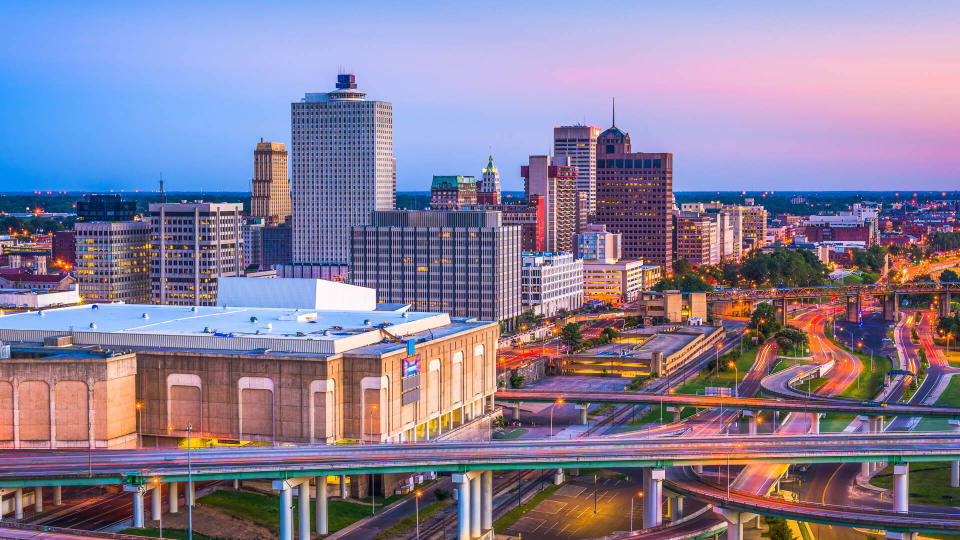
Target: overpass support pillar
point(286, 512)
point(945, 304)
point(558, 477)
point(955, 465)
point(57, 496)
point(323, 526)
point(191, 495)
point(516, 411)
point(475, 505)
point(751, 422)
point(138, 508)
point(901, 497)
point(38, 499)
point(735, 520)
point(853, 308)
point(782, 311)
point(463, 505)
point(486, 500)
point(583, 414)
point(303, 510)
point(890, 307)
point(815, 423)
point(156, 500)
point(343, 487)
point(174, 496)
point(18, 505)
point(653, 497)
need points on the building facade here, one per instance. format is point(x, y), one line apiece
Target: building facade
point(555, 182)
point(342, 168)
point(192, 245)
point(463, 263)
point(597, 243)
point(551, 283)
point(113, 261)
point(635, 197)
point(452, 192)
point(271, 184)
point(697, 238)
point(579, 143)
point(63, 248)
point(617, 282)
point(488, 188)
point(105, 207)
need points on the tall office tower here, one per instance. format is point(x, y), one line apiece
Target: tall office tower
point(271, 186)
point(463, 263)
point(697, 238)
point(452, 192)
point(105, 207)
point(113, 259)
point(579, 143)
point(342, 169)
point(635, 197)
point(555, 181)
point(488, 189)
point(194, 244)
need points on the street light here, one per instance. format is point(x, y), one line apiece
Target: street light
point(417, 501)
point(594, 493)
point(639, 496)
point(736, 379)
point(189, 487)
point(139, 424)
point(716, 372)
point(559, 401)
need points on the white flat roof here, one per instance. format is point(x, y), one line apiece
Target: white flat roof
point(227, 328)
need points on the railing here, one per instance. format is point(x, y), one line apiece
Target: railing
point(833, 290)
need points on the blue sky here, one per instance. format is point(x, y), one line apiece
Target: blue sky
point(747, 95)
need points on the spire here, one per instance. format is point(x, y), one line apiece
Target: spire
point(614, 124)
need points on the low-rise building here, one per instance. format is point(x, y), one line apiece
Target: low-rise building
point(617, 282)
point(550, 283)
point(596, 243)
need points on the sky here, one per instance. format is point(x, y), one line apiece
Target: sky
point(747, 95)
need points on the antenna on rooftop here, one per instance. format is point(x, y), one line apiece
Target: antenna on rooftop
point(163, 195)
point(614, 124)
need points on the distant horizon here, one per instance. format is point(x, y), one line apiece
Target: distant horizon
point(747, 95)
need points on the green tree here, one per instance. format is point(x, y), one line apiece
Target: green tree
point(571, 336)
point(765, 319)
point(949, 276)
point(682, 266)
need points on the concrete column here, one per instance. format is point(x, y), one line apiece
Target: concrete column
point(901, 491)
point(815, 423)
point(486, 500)
point(57, 496)
point(463, 506)
point(653, 498)
point(156, 499)
point(558, 477)
point(945, 304)
point(323, 526)
point(475, 506)
point(174, 497)
point(138, 509)
point(38, 499)
point(679, 506)
point(516, 411)
point(18, 505)
point(583, 414)
point(191, 496)
point(751, 422)
point(955, 465)
point(343, 487)
point(286, 512)
point(236, 484)
point(735, 523)
point(853, 308)
point(304, 510)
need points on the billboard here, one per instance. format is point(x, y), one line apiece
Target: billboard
point(411, 365)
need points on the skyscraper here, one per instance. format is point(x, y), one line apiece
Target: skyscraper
point(271, 186)
point(635, 197)
point(555, 181)
point(342, 169)
point(488, 189)
point(579, 143)
point(112, 251)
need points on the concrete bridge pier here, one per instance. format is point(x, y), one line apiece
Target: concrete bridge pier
point(751, 417)
point(781, 306)
point(323, 526)
point(156, 500)
point(815, 423)
point(138, 507)
point(944, 304)
point(558, 477)
point(516, 411)
point(303, 509)
point(854, 304)
point(286, 487)
point(57, 496)
point(38, 499)
point(955, 465)
point(901, 498)
point(583, 413)
point(653, 497)
point(191, 495)
point(474, 504)
point(18, 504)
point(343, 487)
point(286, 512)
point(174, 496)
point(735, 522)
point(891, 307)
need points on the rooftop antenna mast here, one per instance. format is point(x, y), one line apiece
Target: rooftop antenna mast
point(163, 195)
point(614, 112)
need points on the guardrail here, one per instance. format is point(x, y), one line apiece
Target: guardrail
point(833, 290)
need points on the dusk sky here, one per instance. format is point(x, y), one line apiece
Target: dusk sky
point(747, 95)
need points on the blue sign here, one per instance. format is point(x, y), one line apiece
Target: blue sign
point(411, 365)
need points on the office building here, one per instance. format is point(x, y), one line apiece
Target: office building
point(271, 185)
point(617, 282)
point(64, 248)
point(488, 189)
point(635, 197)
point(597, 243)
point(463, 263)
point(754, 226)
point(528, 216)
point(579, 143)
point(452, 192)
point(551, 283)
point(555, 181)
point(341, 169)
point(192, 245)
point(697, 238)
point(113, 261)
point(105, 207)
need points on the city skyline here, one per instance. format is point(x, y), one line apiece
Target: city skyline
point(818, 101)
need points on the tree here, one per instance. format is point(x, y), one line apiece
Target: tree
point(765, 319)
point(682, 266)
point(570, 335)
point(949, 276)
point(790, 337)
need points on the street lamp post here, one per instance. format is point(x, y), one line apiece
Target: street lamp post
point(559, 401)
point(139, 424)
point(189, 487)
point(417, 500)
point(594, 494)
point(640, 496)
point(736, 379)
point(157, 493)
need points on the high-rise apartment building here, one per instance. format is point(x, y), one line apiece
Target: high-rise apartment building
point(452, 192)
point(753, 220)
point(697, 238)
point(488, 189)
point(555, 181)
point(635, 197)
point(463, 263)
point(194, 244)
point(342, 169)
point(579, 143)
point(271, 186)
point(551, 283)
